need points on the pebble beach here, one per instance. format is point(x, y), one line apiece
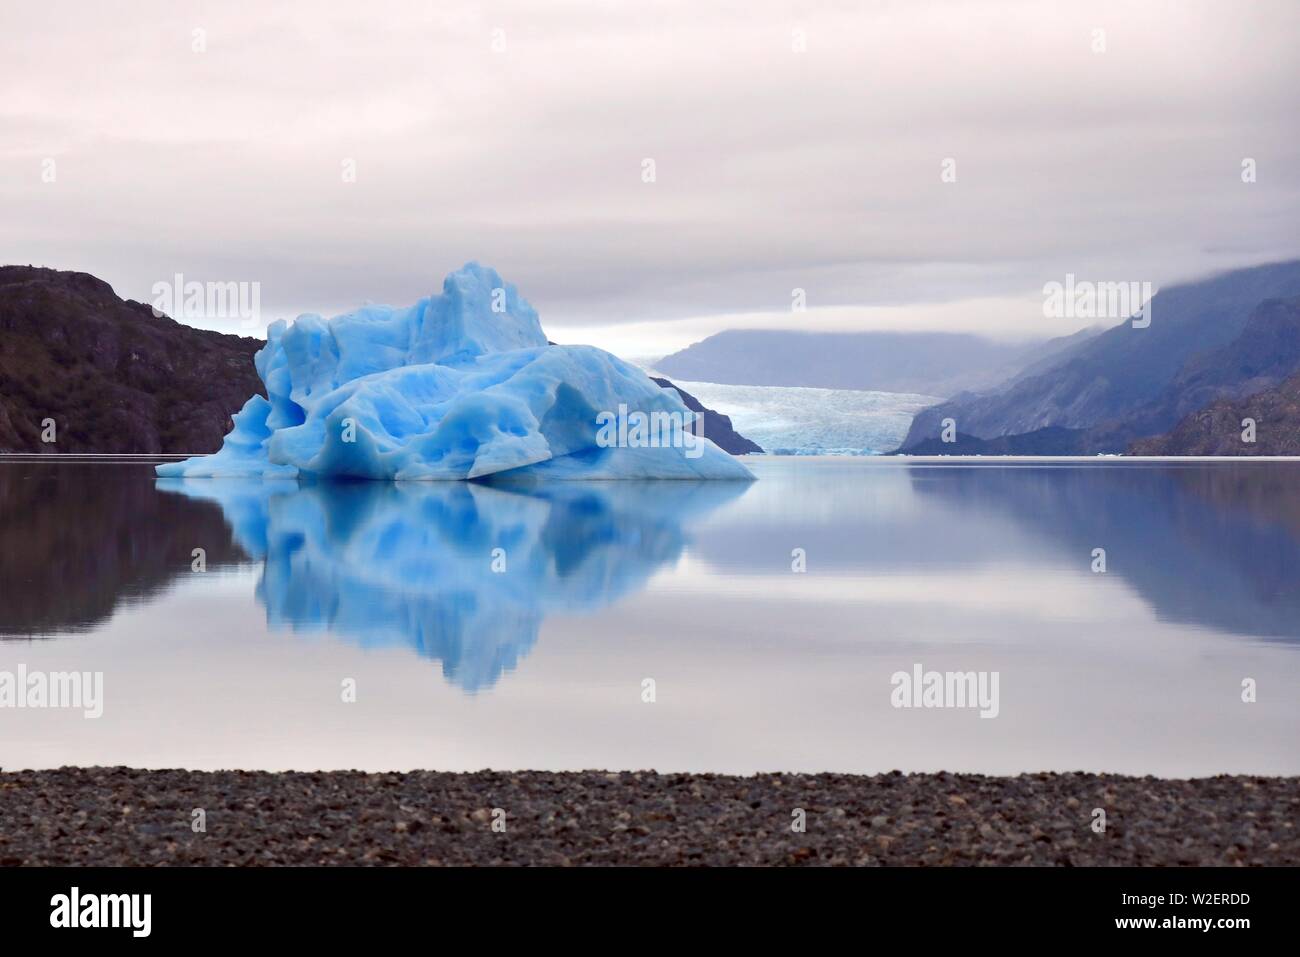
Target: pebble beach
point(121, 816)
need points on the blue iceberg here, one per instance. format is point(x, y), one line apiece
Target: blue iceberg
point(463, 385)
point(460, 573)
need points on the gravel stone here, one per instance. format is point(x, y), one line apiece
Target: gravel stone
point(121, 816)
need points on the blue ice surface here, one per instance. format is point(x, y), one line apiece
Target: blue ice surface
point(463, 573)
point(461, 385)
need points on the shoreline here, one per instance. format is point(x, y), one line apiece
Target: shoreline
point(122, 816)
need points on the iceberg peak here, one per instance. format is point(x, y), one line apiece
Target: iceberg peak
point(460, 385)
point(477, 313)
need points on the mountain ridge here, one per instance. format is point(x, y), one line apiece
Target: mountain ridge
point(919, 363)
point(1119, 387)
point(113, 375)
point(1218, 428)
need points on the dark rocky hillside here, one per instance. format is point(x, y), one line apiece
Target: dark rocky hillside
point(1217, 430)
point(1052, 440)
point(717, 426)
point(1265, 354)
point(113, 376)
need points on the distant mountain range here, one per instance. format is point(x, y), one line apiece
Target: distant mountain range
point(115, 377)
point(924, 363)
point(1180, 385)
point(1219, 340)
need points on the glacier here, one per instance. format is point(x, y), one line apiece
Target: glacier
point(803, 420)
point(462, 385)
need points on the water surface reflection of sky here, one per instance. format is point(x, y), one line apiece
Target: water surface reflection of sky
point(460, 663)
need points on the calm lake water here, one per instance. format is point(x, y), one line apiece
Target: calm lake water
point(517, 627)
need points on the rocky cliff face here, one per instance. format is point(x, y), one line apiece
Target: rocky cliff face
point(1219, 429)
point(113, 376)
point(717, 427)
point(1265, 354)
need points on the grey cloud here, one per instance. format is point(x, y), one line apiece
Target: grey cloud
point(775, 169)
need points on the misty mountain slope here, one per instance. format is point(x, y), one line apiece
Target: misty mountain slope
point(1119, 371)
point(1217, 429)
point(925, 363)
point(1053, 353)
point(1266, 353)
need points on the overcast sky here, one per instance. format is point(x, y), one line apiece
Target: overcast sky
point(775, 167)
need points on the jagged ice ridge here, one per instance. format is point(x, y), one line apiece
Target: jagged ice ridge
point(462, 385)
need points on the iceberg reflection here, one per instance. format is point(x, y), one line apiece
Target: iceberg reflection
point(463, 573)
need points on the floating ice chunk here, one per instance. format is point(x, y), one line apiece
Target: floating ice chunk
point(462, 385)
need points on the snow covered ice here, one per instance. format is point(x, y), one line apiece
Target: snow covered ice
point(802, 420)
point(461, 385)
